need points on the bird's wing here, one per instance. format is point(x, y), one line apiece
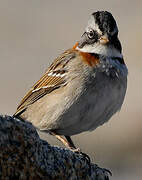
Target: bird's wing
point(54, 77)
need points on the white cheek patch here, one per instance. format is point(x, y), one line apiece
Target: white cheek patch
point(100, 49)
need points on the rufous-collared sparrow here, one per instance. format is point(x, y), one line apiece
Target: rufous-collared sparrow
point(83, 87)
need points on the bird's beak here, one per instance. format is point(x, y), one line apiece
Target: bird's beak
point(83, 41)
point(104, 39)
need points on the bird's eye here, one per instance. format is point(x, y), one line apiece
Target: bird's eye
point(91, 34)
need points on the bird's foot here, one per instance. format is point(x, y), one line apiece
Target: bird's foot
point(84, 155)
point(76, 150)
point(101, 173)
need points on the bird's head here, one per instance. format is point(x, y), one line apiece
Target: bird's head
point(101, 35)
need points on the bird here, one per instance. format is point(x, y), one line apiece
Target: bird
point(83, 87)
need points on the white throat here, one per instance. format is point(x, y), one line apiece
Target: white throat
point(101, 49)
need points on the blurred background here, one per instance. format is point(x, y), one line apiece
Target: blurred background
point(34, 32)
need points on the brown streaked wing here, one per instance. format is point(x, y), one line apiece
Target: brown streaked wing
point(53, 78)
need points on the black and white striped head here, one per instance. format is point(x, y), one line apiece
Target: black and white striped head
point(101, 35)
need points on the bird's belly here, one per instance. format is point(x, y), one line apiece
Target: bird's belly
point(92, 109)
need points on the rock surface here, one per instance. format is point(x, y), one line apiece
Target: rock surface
point(23, 155)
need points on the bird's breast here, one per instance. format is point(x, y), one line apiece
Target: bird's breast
point(101, 99)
